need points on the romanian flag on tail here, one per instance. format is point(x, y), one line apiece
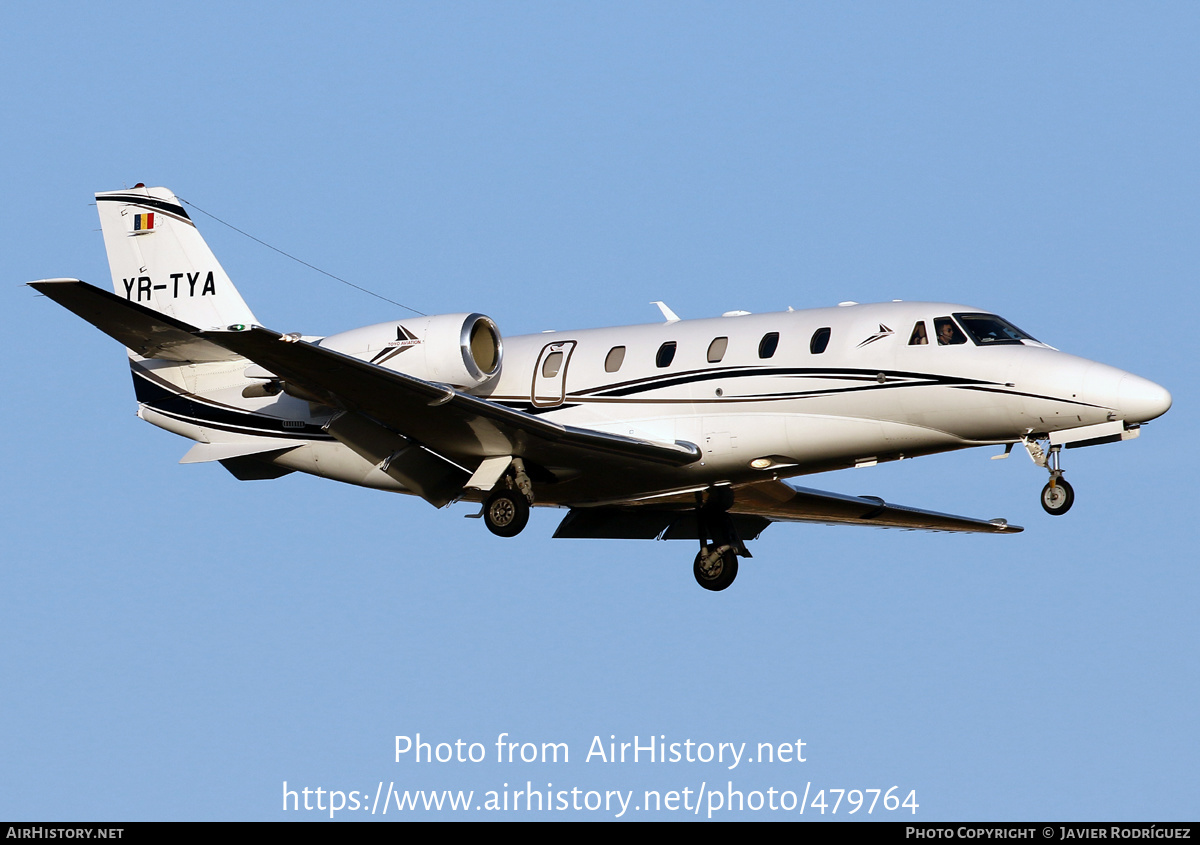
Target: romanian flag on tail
point(143, 222)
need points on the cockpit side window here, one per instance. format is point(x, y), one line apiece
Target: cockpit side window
point(988, 329)
point(948, 334)
point(918, 336)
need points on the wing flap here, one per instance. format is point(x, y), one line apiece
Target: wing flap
point(426, 473)
point(145, 331)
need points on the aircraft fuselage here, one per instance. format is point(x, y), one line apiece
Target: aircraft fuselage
point(678, 430)
point(867, 396)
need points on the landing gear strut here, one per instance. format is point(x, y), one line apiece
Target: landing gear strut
point(1057, 495)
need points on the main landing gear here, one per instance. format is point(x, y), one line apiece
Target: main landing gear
point(1057, 495)
point(715, 567)
point(506, 513)
point(716, 563)
point(506, 510)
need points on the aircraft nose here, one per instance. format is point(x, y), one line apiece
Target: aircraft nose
point(1140, 400)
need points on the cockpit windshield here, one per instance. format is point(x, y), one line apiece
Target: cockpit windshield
point(988, 329)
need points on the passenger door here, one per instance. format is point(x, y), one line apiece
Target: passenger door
point(550, 375)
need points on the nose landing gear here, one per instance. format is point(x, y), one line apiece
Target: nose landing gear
point(1057, 495)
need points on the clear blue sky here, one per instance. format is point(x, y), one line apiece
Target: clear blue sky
point(175, 644)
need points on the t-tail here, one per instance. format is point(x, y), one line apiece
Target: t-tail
point(159, 260)
point(168, 289)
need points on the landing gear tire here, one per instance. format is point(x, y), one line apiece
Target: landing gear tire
point(1057, 499)
point(715, 569)
point(505, 513)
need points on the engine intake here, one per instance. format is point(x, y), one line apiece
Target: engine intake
point(463, 350)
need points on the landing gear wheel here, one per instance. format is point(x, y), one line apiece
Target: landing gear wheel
point(715, 569)
point(1058, 499)
point(505, 513)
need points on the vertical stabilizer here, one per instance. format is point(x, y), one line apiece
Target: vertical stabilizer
point(159, 260)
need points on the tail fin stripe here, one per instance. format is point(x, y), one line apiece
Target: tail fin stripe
point(146, 202)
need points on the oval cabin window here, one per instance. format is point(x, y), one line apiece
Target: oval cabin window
point(716, 349)
point(666, 354)
point(552, 364)
point(614, 359)
point(768, 345)
point(820, 340)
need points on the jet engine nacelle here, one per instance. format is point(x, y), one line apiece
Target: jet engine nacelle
point(463, 350)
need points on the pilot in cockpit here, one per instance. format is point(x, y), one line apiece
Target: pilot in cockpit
point(947, 333)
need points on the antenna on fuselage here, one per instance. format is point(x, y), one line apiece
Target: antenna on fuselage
point(670, 315)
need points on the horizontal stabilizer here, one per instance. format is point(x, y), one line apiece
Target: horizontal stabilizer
point(204, 452)
point(141, 329)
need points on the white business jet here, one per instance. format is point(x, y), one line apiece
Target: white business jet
point(683, 429)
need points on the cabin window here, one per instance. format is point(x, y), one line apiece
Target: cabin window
point(987, 329)
point(614, 359)
point(948, 334)
point(666, 354)
point(768, 345)
point(820, 340)
point(552, 364)
point(716, 349)
point(918, 336)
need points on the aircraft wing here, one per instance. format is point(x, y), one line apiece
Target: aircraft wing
point(447, 422)
point(757, 505)
point(782, 502)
